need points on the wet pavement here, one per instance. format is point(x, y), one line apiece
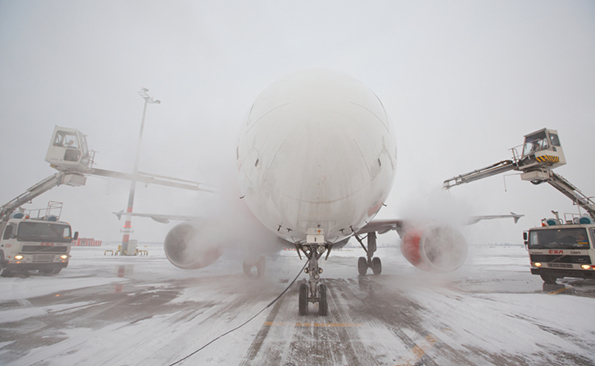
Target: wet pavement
point(143, 311)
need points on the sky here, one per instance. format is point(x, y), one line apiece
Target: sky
point(462, 82)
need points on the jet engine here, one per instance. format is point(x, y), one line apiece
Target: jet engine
point(435, 248)
point(188, 247)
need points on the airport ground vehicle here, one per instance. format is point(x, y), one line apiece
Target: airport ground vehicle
point(40, 243)
point(559, 248)
point(562, 248)
point(69, 154)
point(541, 153)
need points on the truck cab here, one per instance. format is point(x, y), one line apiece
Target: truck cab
point(41, 244)
point(562, 249)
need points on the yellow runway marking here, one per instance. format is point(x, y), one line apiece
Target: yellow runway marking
point(418, 351)
point(320, 325)
point(559, 290)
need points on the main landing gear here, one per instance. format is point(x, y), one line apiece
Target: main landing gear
point(312, 290)
point(259, 263)
point(363, 263)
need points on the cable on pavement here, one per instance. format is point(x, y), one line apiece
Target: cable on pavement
point(246, 322)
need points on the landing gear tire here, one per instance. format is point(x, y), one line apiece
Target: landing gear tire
point(369, 261)
point(247, 268)
point(323, 304)
point(303, 299)
point(549, 279)
point(259, 263)
point(362, 266)
point(260, 266)
point(376, 266)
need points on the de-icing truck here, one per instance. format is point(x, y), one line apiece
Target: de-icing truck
point(559, 248)
point(562, 248)
point(41, 244)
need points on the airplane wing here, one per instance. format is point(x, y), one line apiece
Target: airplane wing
point(383, 226)
point(475, 219)
point(164, 219)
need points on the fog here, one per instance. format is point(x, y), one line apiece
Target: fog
point(462, 81)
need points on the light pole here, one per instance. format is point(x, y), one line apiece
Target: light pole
point(128, 225)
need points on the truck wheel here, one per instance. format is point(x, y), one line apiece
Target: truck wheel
point(4, 272)
point(50, 271)
point(549, 279)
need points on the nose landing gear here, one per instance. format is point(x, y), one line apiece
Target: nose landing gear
point(312, 290)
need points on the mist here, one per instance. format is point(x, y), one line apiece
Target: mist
point(437, 206)
point(226, 226)
point(462, 82)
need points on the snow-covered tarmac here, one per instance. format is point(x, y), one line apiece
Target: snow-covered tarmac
point(106, 310)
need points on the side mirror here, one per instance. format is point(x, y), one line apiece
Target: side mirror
point(76, 235)
point(525, 236)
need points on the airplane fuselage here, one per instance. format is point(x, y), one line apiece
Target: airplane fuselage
point(317, 150)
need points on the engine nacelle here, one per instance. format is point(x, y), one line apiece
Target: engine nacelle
point(435, 248)
point(187, 247)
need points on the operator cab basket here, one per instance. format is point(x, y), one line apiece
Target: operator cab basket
point(542, 149)
point(68, 150)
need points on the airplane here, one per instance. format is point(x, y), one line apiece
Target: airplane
point(164, 219)
point(316, 160)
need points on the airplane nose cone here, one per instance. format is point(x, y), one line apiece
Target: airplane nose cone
point(322, 122)
point(317, 162)
point(316, 151)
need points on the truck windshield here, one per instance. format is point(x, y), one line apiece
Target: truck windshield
point(575, 238)
point(44, 232)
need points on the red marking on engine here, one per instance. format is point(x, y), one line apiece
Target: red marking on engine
point(410, 246)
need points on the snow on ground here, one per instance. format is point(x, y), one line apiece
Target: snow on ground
point(491, 307)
